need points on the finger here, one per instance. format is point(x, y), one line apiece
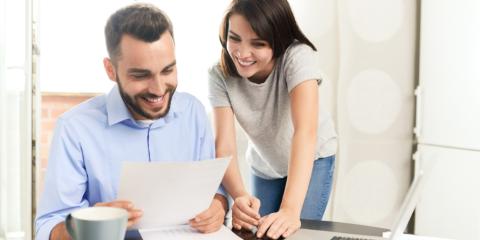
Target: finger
point(256, 207)
point(205, 215)
point(244, 217)
point(120, 204)
point(135, 214)
point(290, 230)
point(213, 219)
point(194, 223)
point(241, 223)
point(274, 227)
point(260, 222)
point(132, 222)
point(209, 228)
point(245, 207)
point(265, 225)
point(281, 229)
point(236, 225)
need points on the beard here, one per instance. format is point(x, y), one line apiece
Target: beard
point(135, 104)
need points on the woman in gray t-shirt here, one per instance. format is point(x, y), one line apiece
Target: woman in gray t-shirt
point(267, 79)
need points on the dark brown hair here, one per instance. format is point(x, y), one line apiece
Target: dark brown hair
point(142, 21)
point(271, 20)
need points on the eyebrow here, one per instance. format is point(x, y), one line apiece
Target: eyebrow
point(230, 31)
point(140, 70)
point(137, 70)
point(170, 65)
point(256, 39)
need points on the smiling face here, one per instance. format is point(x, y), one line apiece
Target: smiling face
point(253, 56)
point(146, 76)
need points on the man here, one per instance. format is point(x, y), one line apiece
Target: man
point(142, 119)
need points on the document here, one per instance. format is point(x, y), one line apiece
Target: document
point(170, 193)
point(186, 232)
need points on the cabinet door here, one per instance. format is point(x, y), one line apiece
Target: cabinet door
point(448, 108)
point(450, 203)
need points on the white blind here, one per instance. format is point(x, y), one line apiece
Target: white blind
point(15, 120)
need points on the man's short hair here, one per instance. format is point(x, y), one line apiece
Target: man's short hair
point(142, 21)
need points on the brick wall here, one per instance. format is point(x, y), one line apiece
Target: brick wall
point(54, 105)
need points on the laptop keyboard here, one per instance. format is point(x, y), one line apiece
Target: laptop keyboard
point(348, 238)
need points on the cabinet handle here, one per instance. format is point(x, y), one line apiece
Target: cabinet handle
point(419, 110)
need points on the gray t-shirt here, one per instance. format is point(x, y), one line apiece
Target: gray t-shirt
point(263, 110)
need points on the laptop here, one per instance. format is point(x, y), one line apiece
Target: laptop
point(406, 210)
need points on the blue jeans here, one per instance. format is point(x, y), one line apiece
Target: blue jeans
point(270, 192)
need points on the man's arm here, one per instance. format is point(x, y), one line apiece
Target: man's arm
point(65, 182)
point(59, 232)
point(223, 200)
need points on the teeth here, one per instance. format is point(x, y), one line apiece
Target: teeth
point(245, 63)
point(155, 99)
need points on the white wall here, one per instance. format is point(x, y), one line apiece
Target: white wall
point(72, 43)
point(366, 52)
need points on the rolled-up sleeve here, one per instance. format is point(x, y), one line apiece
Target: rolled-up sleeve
point(65, 181)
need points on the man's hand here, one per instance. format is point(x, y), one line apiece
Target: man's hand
point(212, 219)
point(245, 212)
point(282, 223)
point(134, 215)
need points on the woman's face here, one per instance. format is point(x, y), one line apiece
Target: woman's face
point(252, 56)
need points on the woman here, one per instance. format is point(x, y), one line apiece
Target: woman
point(267, 79)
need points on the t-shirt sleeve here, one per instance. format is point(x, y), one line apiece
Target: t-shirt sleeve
point(217, 91)
point(300, 66)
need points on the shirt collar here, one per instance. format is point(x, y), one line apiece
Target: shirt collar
point(117, 110)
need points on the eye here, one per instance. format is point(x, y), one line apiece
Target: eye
point(168, 70)
point(235, 39)
point(259, 44)
point(139, 76)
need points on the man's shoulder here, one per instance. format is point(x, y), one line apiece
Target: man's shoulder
point(86, 108)
point(187, 101)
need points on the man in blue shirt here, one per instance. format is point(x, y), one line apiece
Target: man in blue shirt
point(142, 119)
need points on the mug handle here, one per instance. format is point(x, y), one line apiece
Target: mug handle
point(68, 226)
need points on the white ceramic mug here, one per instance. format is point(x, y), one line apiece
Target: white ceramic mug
point(97, 223)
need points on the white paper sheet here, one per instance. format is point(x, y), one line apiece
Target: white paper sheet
point(170, 193)
point(182, 232)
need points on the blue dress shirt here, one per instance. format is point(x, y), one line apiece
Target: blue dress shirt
point(91, 141)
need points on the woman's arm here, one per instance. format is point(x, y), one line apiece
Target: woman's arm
point(304, 109)
point(245, 209)
point(225, 146)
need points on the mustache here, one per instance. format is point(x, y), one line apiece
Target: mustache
point(151, 95)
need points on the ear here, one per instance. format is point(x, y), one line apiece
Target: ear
point(109, 69)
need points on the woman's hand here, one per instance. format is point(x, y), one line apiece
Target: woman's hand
point(282, 223)
point(245, 212)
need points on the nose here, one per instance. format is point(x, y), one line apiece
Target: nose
point(244, 51)
point(157, 85)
